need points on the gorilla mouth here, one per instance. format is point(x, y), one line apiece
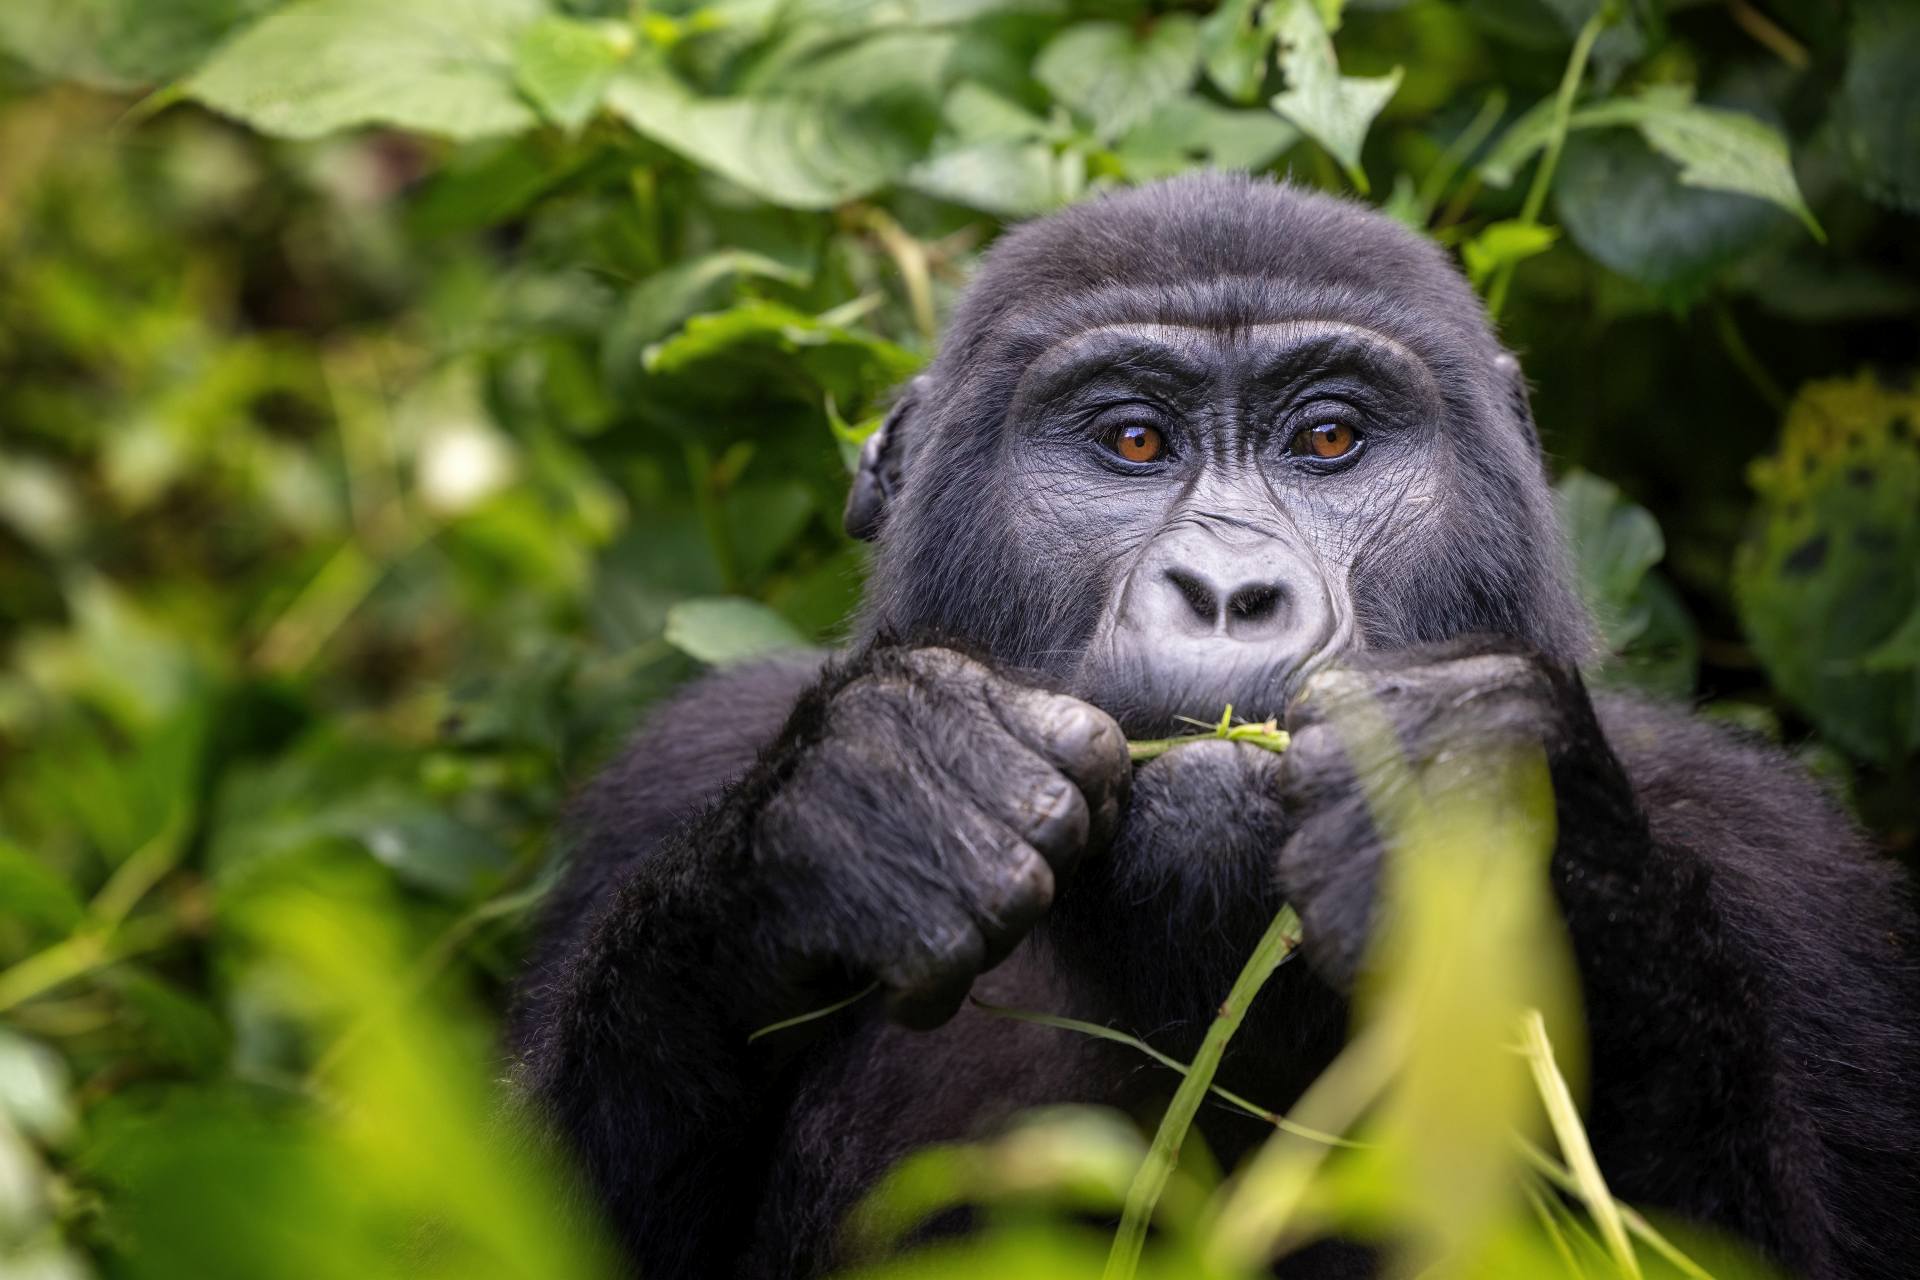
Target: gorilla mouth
point(1155, 692)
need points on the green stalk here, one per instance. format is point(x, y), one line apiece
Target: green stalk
point(1562, 116)
point(1281, 937)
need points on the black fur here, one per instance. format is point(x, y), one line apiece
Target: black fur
point(784, 833)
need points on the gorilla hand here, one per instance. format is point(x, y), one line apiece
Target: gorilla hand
point(1468, 704)
point(925, 822)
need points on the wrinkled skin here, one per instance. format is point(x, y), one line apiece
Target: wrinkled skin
point(1210, 442)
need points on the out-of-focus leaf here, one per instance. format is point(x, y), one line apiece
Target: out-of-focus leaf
point(1626, 207)
point(1115, 76)
point(319, 66)
point(39, 501)
point(794, 150)
point(976, 113)
point(1191, 131)
point(423, 844)
point(1080, 1158)
point(728, 629)
point(1877, 116)
point(1334, 110)
point(1010, 179)
point(1826, 581)
point(33, 1089)
point(1502, 244)
point(662, 302)
point(1614, 543)
point(117, 44)
point(1649, 640)
point(34, 894)
point(565, 65)
point(176, 1029)
point(1236, 45)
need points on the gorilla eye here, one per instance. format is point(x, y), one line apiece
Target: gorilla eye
point(1138, 442)
point(1326, 441)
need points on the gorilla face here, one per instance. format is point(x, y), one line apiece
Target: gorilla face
point(1228, 481)
point(1289, 434)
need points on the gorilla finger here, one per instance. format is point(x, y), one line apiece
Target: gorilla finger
point(1010, 900)
point(926, 986)
point(1084, 742)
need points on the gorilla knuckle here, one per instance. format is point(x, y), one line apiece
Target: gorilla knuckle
point(1056, 816)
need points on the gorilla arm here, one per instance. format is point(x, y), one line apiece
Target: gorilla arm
point(1747, 969)
point(905, 823)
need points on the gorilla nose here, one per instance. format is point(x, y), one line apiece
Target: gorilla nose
point(1251, 609)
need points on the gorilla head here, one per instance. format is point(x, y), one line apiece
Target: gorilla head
point(1184, 444)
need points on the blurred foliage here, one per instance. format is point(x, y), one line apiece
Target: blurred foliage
point(396, 397)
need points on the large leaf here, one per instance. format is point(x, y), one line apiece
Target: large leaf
point(1334, 110)
point(118, 44)
point(1009, 179)
point(804, 152)
point(1114, 77)
point(565, 66)
point(1877, 117)
point(1828, 580)
point(438, 66)
point(1646, 637)
point(1627, 208)
point(1236, 44)
point(729, 629)
point(1716, 149)
point(1192, 131)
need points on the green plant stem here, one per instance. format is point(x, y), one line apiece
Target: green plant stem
point(813, 1015)
point(1558, 1174)
point(79, 955)
point(1279, 941)
point(1562, 115)
point(1572, 1136)
point(1099, 1032)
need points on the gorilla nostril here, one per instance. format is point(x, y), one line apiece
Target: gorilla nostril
point(1199, 596)
point(1254, 604)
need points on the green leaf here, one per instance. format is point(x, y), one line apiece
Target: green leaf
point(1614, 543)
point(33, 1090)
point(804, 152)
point(1192, 131)
point(1826, 583)
point(728, 629)
point(1236, 44)
point(565, 66)
point(1334, 110)
point(1626, 207)
point(34, 894)
point(975, 113)
point(1716, 149)
point(1008, 179)
point(1113, 77)
point(422, 844)
point(1877, 114)
point(763, 322)
point(319, 66)
point(1502, 243)
point(1648, 639)
point(663, 301)
point(118, 44)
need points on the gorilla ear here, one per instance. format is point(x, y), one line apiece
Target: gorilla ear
point(877, 478)
point(1518, 400)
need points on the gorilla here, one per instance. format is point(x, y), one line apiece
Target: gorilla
point(1217, 440)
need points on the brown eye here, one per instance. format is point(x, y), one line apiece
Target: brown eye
point(1328, 440)
point(1139, 443)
